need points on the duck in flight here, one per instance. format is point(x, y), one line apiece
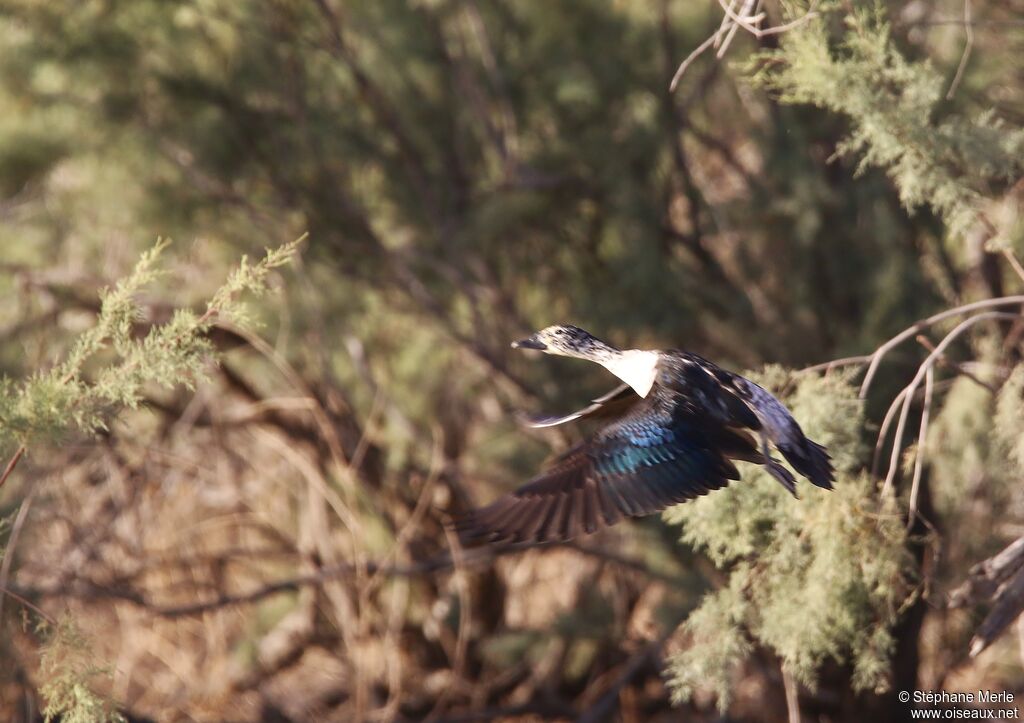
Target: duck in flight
point(671, 431)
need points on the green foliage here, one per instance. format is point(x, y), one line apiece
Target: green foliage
point(946, 162)
point(65, 397)
point(815, 579)
point(172, 353)
point(719, 644)
point(67, 665)
point(1009, 419)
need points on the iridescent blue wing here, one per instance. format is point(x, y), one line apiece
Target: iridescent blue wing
point(649, 460)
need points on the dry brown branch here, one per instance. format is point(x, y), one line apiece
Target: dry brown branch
point(12, 464)
point(6, 591)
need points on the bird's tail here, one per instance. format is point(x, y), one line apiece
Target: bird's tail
point(811, 460)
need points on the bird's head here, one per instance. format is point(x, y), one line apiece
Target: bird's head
point(566, 340)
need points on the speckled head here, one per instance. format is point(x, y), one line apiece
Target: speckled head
point(636, 367)
point(567, 340)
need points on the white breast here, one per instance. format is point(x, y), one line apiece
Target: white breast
point(635, 367)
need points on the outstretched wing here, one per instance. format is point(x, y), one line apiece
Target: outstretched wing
point(613, 404)
point(644, 463)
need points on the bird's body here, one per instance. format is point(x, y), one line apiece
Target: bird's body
point(674, 428)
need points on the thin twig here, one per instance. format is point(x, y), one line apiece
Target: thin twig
point(916, 381)
point(1012, 258)
point(4, 590)
point(922, 437)
point(731, 21)
point(828, 366)
point(745, 21)
point(462, 634)
point(923, 324)
point(422, 503)
point(792, 696)
point(12, 542)
point(732, 26)
point(748, 22)
point(968, 46)
point(956, 366)
point(883, 432)
point(689, 59)
point(12, 464)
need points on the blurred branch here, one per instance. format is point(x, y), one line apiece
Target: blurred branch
point(985, 578)
point(722, 38)
point(968, 46)
point(905, 398)
point(11, 464)
point(999, 580)
point(919, 453)
point(605, 705)
point(12, 543)
point(89, 590)
point(792, 695)
point(1014, 262)
point(914, 329)
point(957, 367)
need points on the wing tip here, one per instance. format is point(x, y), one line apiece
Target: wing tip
point(811, 460)
point(821, 472)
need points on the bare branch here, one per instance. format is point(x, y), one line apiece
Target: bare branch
point(984, 578)
point(731, 22)
point(909, 390)
point(792, 696)
point(968, 46)
point(920, 326)
point(922, 437)
point(12, 464)
point(12, 541)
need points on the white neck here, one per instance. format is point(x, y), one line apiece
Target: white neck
point(635, 367)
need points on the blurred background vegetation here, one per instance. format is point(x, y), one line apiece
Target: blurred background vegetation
point(262, 536)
